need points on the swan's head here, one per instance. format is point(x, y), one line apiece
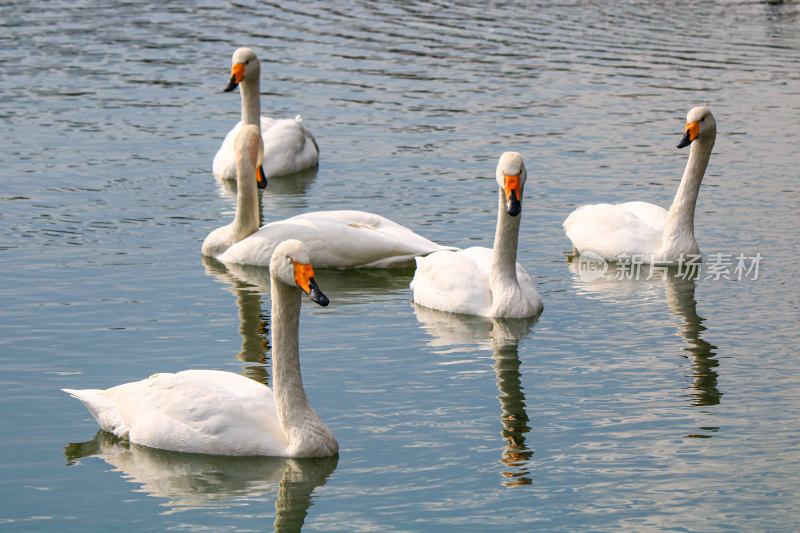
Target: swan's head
point(700, 124)
point(245, 67)
point(291, 265)
point(511, 175)
point(249, 147)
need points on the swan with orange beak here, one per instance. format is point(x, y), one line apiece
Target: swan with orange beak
point(484, 281)
point(644, 232)
point(225, 413)
point(288, 145)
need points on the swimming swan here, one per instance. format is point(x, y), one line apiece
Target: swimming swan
point(288, 146)
point(223, 413)
point(335, 238)
point(480, 281)
point(249, 150)
point(642, 230)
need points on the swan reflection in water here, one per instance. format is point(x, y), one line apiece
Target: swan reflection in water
point(253, 320)
point(191, 481)
point(196, 481)
point(616, 284)
point(250, 285)
point(345, 286)
point(501, 336)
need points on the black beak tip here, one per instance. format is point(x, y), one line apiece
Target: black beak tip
point(262, 183)
point(513, 206)
point(231, 85)
point(316, 295)
point(685, 141)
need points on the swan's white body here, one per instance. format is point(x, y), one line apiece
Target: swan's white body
point(335, 238)
point(482, 281)
point(214, 412)
point(642, 231)
point(288, 146)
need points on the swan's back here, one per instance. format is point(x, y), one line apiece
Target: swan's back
point(336, 239)
point(194, 411)
point(611, 230)
point(456, 282)
point(288, 147)
point(653, 215)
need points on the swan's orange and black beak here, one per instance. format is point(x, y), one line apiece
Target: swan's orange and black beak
point(691, 133)
point(237, 75)
point(261, 178)
point(304, 277)
point(513, 195)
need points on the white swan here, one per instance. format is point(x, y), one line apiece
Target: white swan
point(644, 231)
point(480, 281)
point(335, 238)
point(223, 413)
point(249, 150)
point(288, 146)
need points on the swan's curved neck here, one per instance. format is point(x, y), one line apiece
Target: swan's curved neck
point(294, 409)
point(246, 220)
point(679, 228)
point(251, 101)
point(504, 253)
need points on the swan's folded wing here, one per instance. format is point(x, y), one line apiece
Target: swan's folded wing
point(610, 231)
point(200, 411)
point(375, 240)
point(653, 215)
point(288, 147)
point(456, 282)
point(336, 239)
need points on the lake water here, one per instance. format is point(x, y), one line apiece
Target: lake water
point(630, 405)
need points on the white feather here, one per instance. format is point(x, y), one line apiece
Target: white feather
point(482, 281)
point(215, 412)
point(643, 231)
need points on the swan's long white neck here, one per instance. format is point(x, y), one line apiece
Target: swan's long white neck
point(679, 229)
point(251, 101)
point(246, 220)
point(299, 420)
point(503, 274)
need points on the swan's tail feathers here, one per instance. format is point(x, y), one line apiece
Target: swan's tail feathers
point(309, 137)
point(102, 410)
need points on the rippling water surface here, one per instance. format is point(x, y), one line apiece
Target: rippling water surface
point(660, 404)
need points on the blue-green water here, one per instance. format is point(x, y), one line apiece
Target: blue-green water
point(663, 405)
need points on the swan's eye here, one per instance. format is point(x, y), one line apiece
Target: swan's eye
point(702, 119)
